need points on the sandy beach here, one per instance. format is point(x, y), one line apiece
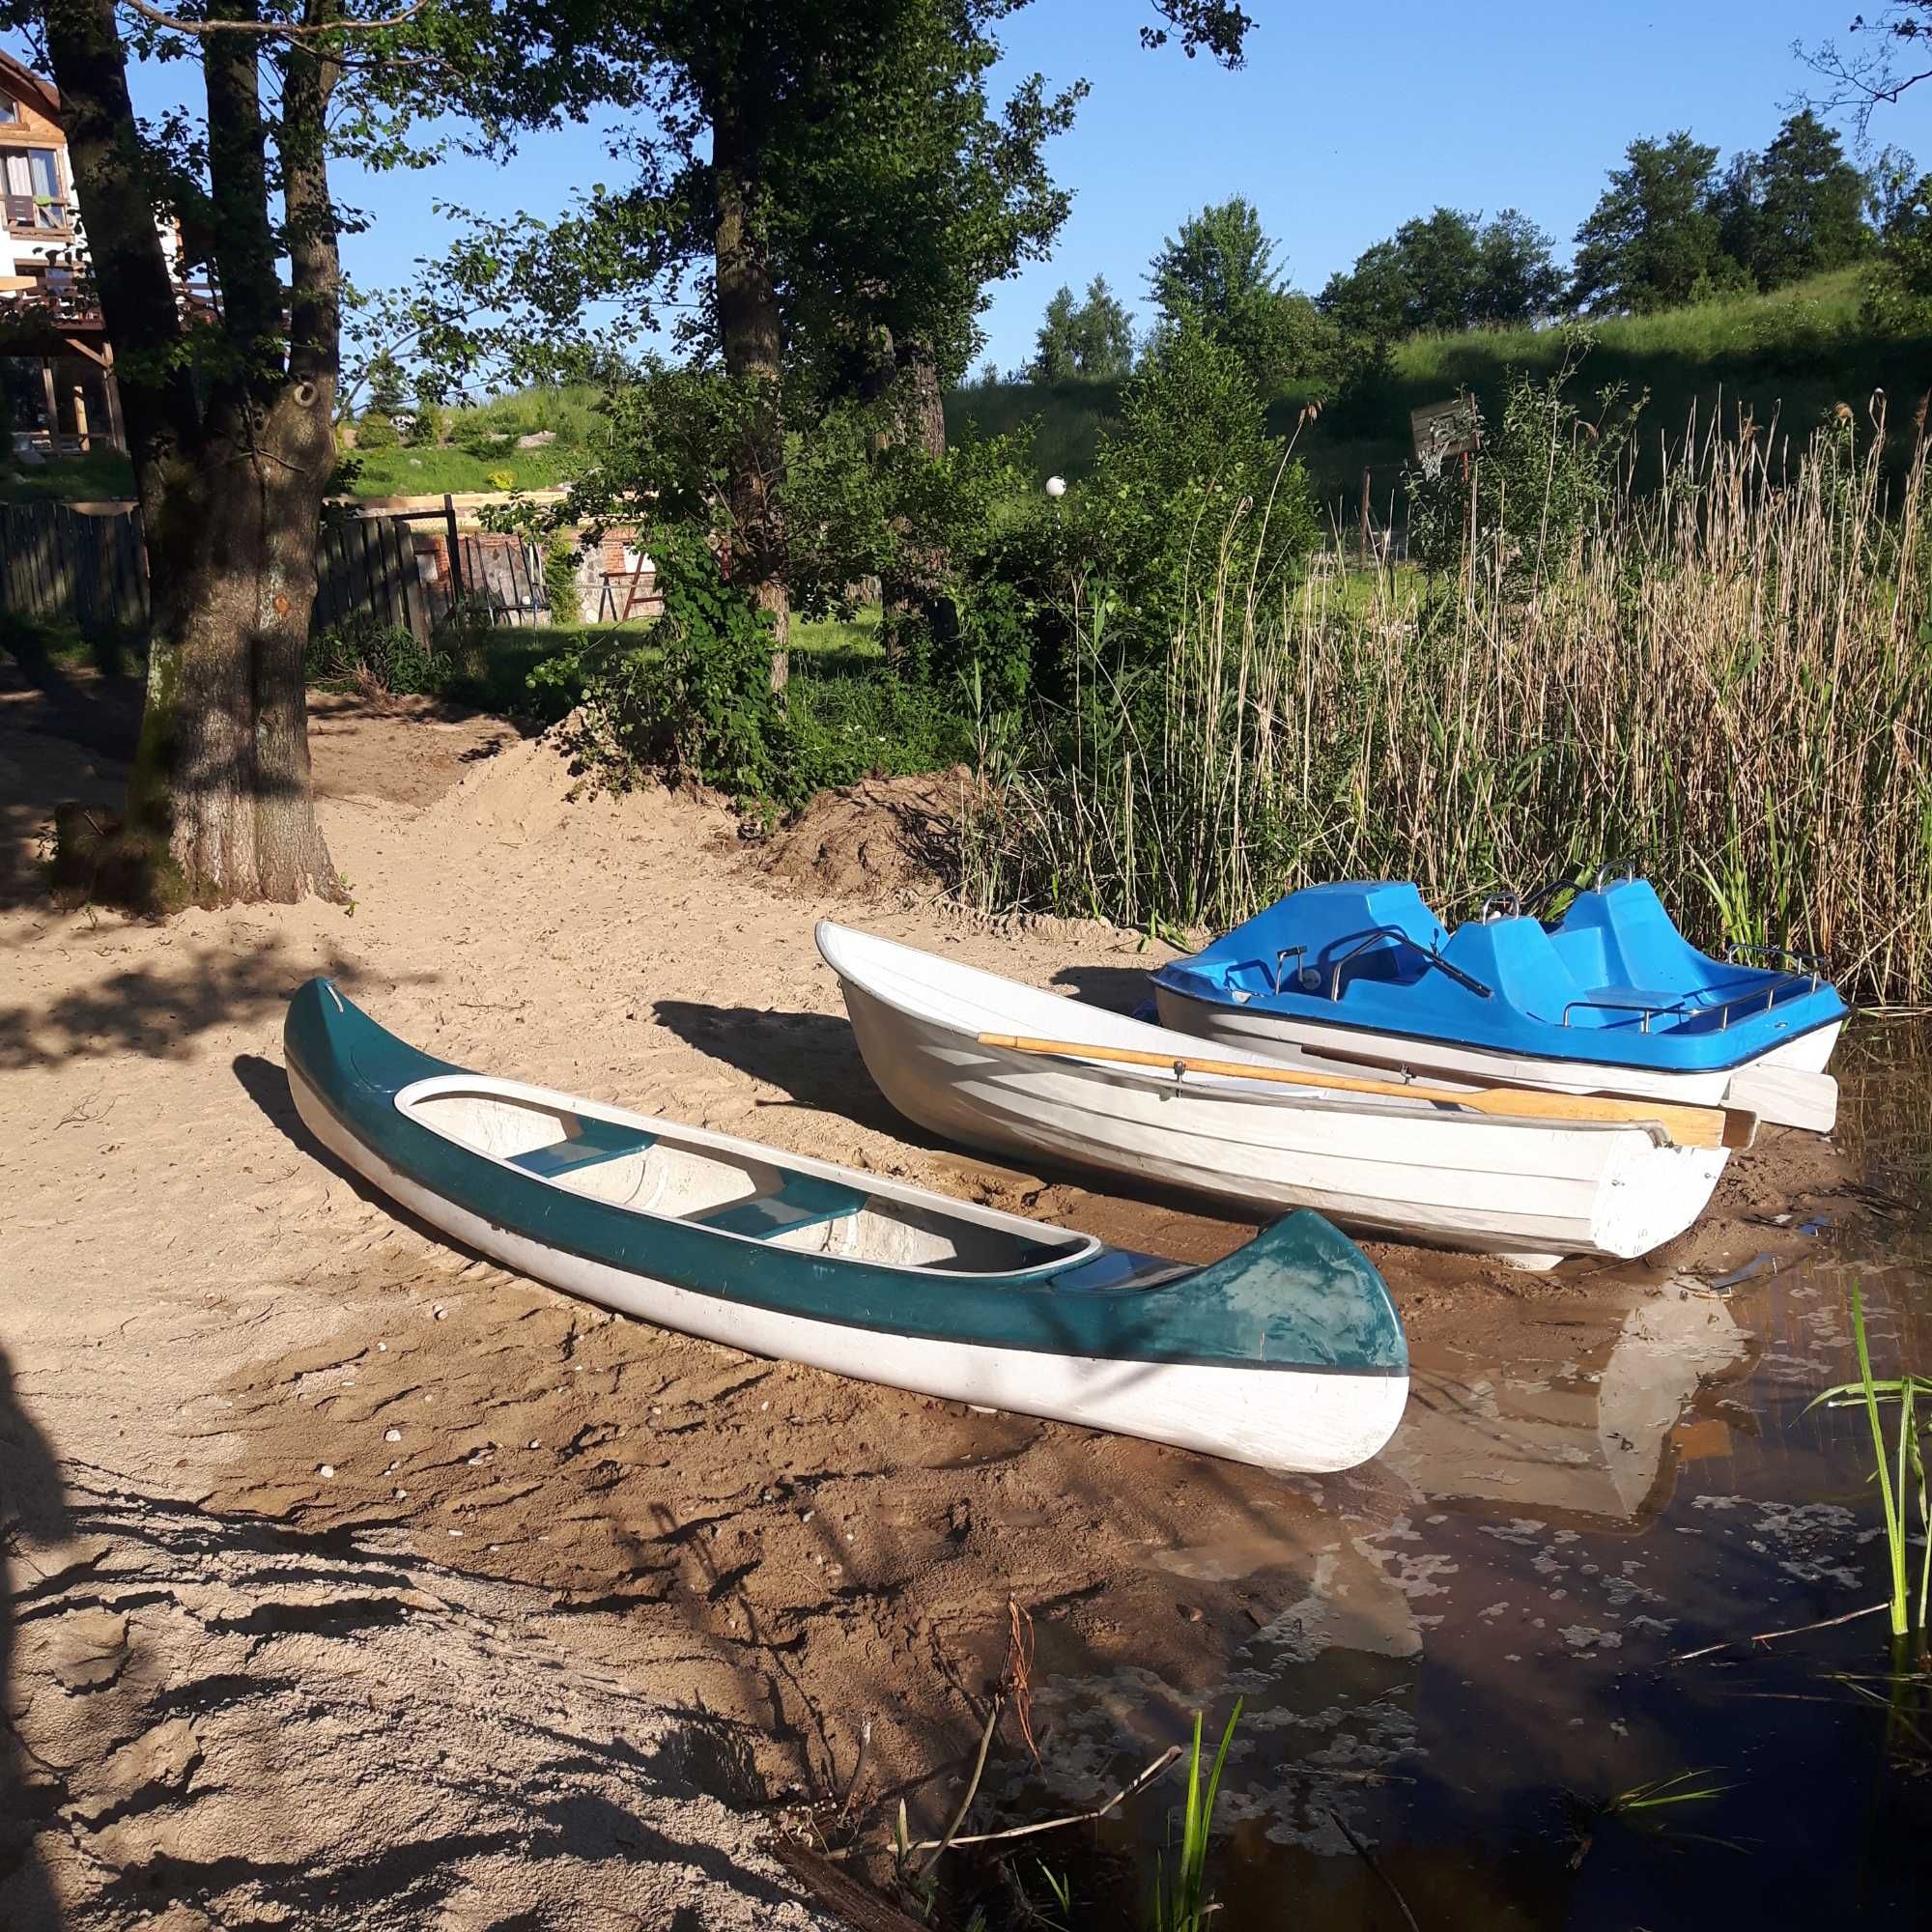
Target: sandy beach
point(356, 1581)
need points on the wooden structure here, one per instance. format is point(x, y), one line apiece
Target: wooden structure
point(50, 324)
point(409, 570)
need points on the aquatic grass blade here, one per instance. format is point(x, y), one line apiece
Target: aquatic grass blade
point(1895, 1519)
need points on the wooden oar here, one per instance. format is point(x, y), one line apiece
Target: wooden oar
point(1687, 1126)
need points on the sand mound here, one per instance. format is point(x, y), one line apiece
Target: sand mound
point(517, 795)
point(879, 836)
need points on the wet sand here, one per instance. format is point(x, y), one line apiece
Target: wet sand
point(240, 1364)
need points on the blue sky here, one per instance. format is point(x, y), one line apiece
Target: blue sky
point(1344, 121)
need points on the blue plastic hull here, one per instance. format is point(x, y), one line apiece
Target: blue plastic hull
point(1613, 985)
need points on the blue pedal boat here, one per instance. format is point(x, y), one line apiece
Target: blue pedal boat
point(1288, 1354)
point(1610, 999)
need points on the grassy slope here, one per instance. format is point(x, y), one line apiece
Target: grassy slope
point(1793, 354)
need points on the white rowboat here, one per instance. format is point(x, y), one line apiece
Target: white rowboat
point(1531, 1192)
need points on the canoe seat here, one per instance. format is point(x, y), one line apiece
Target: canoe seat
point(594, 1141)
point(801, 1202)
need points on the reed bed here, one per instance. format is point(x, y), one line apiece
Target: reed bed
point(1726, 679)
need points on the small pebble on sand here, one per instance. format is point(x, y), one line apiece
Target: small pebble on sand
point(392, 1436)
point(400, 1495)
point(325, 1469)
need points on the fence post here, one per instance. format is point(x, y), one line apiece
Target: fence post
point(455, 554)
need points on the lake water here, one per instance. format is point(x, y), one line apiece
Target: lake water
point(1481, 1657)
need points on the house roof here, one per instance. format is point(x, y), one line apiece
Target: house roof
point(22, 81)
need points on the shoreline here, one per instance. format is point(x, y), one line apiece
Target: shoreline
point(242, 1370)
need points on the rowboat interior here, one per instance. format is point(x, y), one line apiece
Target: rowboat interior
point(671, 1173)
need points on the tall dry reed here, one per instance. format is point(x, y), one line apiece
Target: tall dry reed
point(1727, 680)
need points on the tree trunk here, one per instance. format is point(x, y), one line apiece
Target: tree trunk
point(912, 597)
point(220, 803)
point(752, 342)
point(124, 251)
point(923, 418)
point(223, 767)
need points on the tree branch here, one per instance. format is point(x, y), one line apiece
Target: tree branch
point(269, 29)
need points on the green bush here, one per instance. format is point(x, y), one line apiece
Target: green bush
point(1544, 479)
point(692, 699)
point(560, 574)
point(1191, 481)
point(376, 432)
point(426, 427)
point(364, 652)
point(479, 437)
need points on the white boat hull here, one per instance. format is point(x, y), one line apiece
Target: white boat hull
point(1528, 1191)
point(1285, 1419)
point(1786, 1086)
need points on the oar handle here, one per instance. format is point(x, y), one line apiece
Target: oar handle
point(1689, 1126)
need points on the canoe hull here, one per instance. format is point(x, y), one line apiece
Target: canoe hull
point(1528, 1192)
point(1785, 1087)
point(1289, 1419)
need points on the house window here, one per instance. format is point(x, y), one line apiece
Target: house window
point(35, 196)
point(10, 111)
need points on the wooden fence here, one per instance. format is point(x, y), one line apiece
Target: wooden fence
point(407, 570)
point(56, 561)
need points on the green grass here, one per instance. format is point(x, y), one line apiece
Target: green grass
point(1792, 355)
point(101, 475)
point(856, 636)
point(446, 469)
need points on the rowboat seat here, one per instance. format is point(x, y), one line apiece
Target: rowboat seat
point(803, 1202)
point(594, 1141)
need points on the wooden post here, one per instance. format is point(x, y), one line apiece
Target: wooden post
point(53, 404)
point(111, 386)
point(455, 554)
point(80, 416)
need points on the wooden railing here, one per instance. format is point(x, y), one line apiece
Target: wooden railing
point(31, 214)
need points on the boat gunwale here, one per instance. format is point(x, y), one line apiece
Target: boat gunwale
point(1257, 1089)
point(1082, 1247)
point(1030, 1313)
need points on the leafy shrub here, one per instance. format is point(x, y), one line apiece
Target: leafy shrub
point(363, 653)
point(1191, 481)
point(478, 437)
point(426, 427)
point(559, 576)
point(1543, 481)
point(376, 432)
point(692, 699)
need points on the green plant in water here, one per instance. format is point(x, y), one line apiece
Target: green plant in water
point(1677, 1789)
point(1181, 1901)
point(1900, 1470)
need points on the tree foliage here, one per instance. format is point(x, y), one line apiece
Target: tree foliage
point(1218, 276)
point(1447, 271)
point(1889, 52)
point(1796, 210)
point(1654, 233)
point(1091, 339)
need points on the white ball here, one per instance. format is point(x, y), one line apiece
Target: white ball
point(1056, 486)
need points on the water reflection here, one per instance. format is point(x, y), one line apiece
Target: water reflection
point(1465, 1648)
point(1578, 1421)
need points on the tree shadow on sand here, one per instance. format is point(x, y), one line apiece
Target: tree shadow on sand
point(32, 1504)
point(155, 1009)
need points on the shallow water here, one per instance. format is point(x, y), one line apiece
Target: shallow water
point(1481, 1653)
